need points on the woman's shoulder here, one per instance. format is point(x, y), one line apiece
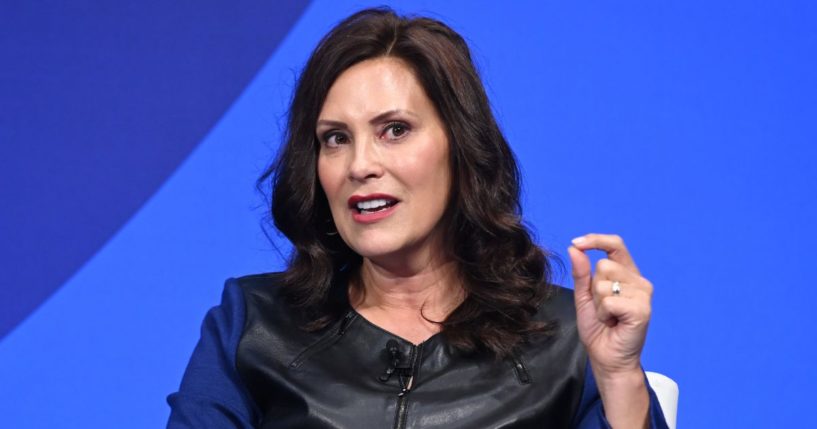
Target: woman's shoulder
point(255, 297)
point(558, 304)
point(242, 298)
point(259, 283)
point(258, 289)
point(268, 310)
point(559, 312)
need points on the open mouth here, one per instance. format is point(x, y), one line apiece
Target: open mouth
point(373, 206)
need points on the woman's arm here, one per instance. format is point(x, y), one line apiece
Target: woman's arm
point(591, 412)
point(211, 394)
point(613, 308)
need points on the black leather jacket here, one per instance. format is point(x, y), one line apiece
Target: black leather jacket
point(262, 371)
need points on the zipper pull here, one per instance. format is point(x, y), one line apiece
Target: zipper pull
point(519, 367)
point(405, 387)
point(347, 319)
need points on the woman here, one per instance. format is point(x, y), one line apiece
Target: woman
point(414, 297)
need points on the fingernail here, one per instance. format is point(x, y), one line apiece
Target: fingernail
point(578, 240)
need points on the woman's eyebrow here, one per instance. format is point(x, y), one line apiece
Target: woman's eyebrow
point(375, 120)
point(331, 123)
point(391, 113)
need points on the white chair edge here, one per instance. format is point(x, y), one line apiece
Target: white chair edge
point(667, 392)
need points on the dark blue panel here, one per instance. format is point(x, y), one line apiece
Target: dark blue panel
point(99, 103)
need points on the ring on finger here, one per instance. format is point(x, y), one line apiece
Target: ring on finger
point(616, 288)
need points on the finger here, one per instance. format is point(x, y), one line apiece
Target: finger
point(581, 275)
point(610, 271)
point(606, 310)
point(612, 244)
point(613, 310)
point(604, 288)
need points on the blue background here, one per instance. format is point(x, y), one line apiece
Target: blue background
point(131, 135)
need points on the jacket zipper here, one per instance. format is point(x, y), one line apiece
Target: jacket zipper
point(519, 367)
point(325, 341)
point(406, 385)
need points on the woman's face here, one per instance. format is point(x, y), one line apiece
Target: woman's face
point(383, 162)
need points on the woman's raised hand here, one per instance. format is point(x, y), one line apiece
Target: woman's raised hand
point(613, 311)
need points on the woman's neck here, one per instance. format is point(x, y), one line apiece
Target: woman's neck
point(407, 303)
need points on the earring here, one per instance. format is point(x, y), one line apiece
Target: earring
point(331, 228)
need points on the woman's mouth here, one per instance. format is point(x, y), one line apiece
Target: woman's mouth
point(372, 208)
point(376, 205)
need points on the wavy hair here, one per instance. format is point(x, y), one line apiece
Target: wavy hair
point(505, 275)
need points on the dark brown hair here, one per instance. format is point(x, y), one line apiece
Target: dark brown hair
point(505, 274)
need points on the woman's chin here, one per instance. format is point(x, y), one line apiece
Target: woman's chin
point(375, 253)
point(382, 253)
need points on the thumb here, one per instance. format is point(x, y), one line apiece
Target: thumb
point(581, 275)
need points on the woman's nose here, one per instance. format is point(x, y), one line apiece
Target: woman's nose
point(365, 163)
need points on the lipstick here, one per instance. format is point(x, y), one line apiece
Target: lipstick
point(372, 207)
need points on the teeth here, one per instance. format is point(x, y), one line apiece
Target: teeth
point(371, 204)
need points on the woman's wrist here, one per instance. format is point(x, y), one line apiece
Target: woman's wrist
point(625, 398)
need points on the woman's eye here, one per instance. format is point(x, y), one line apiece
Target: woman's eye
point(395, 130)
point(334, 139)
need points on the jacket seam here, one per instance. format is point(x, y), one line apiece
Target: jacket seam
point(331, 336)
point(248, 397)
